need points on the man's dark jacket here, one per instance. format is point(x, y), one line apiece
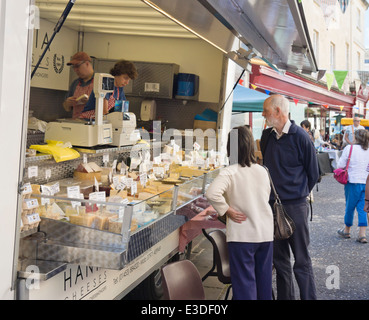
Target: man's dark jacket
point(292, 163)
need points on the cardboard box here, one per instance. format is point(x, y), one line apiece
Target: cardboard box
point(201, 124)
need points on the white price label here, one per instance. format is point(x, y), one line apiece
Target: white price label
point(114, 165)
point(196, 146)
point(96, 185)
point(143, 179)
point(129, 182)
point(32, 171)
point(98, 196)
point(74, 192)
point(157, 160)
point(47, 174)
point(27, 189)
point(158, 170)
point(55, 188)
point(30, 204)
point(115, 181)
point(134, 187)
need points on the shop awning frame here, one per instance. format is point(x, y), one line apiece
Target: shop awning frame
point(297, 87)
point(275, 31)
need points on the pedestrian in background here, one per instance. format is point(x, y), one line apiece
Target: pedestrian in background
point(291, 159)
point(355, 188)
point(349, 136)
point(241, 191)
point(307, 127)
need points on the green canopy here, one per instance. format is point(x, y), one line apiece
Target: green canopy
point(247, 100)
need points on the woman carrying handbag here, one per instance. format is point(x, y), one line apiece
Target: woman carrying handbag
point(241, 192)
point(355, 188)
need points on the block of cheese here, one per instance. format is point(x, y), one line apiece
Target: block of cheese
point(84, 167)
point(134, 175)
point(163, 208)
point(86, 220)
point(87, 176)
point(144, 195)
point(102, 220)
point(120, 193)
point(115, 225)
point(150, 189)
point(76, 219)
point(36, 188)
point(168, 150)
point(94, 167)
point(191, 172)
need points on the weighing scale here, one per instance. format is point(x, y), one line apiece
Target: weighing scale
point(84, 133)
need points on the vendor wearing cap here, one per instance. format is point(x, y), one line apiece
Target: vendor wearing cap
point(82, 66)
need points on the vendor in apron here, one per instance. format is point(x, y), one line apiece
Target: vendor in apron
point(123, 71)
point(81, 63)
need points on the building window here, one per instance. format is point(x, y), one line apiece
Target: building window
point(332, 56)
point(358, 18)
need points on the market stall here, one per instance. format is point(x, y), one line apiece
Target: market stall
point(90, 218)
point(111, 216)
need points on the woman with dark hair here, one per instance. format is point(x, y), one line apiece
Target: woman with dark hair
point(241, 192)
point(123, 71)
point(355, 188)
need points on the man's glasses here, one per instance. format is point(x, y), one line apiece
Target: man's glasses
point(76, 66)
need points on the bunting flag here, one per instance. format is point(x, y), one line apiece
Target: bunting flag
point(253, 86)
point(343, 4)
point(346, 86)
point(328, 8)
point(296, 100)
point(340, 77)
point(321, 74)
point(325, 106)
point(267, 92)
point(241, 82)
point(329, 78)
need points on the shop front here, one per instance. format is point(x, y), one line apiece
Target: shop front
point(322, 107)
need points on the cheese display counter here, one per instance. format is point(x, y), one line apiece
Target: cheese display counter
point(101, 214)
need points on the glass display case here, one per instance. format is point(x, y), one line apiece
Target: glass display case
point(76, 230)
point(76, 224)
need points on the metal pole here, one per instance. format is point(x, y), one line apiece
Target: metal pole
point(57, 28)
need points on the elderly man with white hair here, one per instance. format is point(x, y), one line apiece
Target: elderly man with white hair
point(290, 156)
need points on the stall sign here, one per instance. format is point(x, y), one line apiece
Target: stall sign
point(53, 72)
point(79, 282)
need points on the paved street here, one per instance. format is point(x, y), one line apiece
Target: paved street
point(340, 265)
